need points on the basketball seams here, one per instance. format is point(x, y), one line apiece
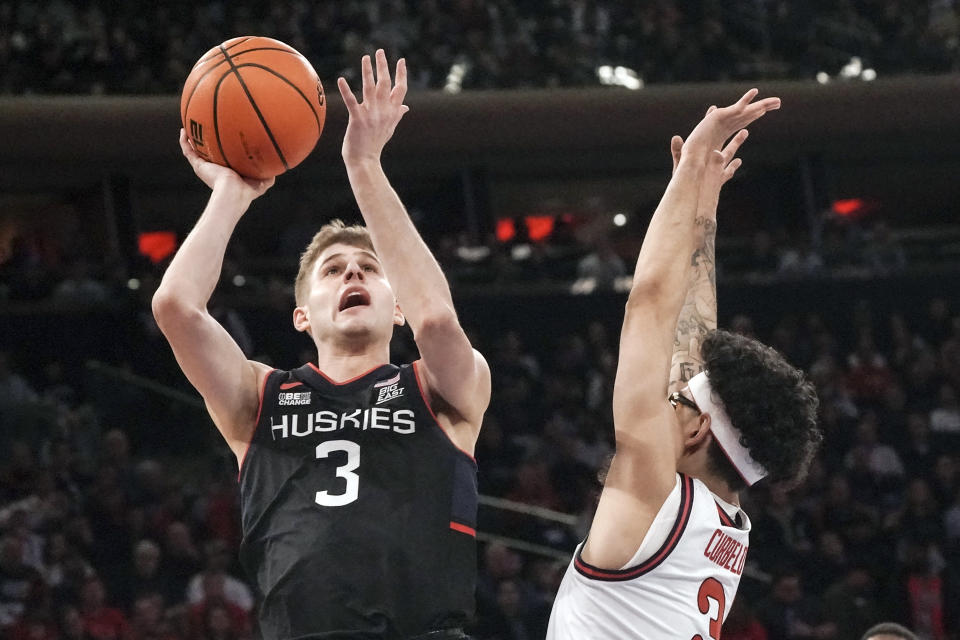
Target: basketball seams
point(216, 118)
point(262, 98)
point(316, 116)
point(193, 90)
point(240, 53)
point(216, 53)
point(253, 103)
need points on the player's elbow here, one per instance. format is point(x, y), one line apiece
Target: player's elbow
point(645, 291)
point(169, 309)
point(439, 322)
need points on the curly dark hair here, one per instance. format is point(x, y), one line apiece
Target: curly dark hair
point(769, 401)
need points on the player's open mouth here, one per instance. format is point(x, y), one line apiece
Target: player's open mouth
point(354, 298)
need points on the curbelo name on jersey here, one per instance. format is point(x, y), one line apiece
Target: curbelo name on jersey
point(400, 421)
point(726, 552)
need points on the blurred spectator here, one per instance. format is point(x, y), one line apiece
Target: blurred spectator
point(148, 621)
point(918, 596)
point(215, 617)
point(14, 389)
point(742, 623)
point(100, 621)
point(80, 287)
point(879, 461)
point(945, 416)
point(602, 265)
point(789, 613)
point(884, 254)
point(512, 619)
point(182, 560)
point(71, 625)
point(828, 563)
point(869, 376)
point(852, 603)
point(20, 584)
point(918, 518)
point(145, 577)
point(218, 558)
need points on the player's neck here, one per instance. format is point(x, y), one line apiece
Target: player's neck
point(339, 363)
point(717, 486)
point(720, 489)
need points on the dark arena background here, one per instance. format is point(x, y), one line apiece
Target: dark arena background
point(534, 153)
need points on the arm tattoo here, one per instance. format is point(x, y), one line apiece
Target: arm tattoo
point(699, 313)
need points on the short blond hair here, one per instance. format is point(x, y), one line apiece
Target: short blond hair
point(335, 231)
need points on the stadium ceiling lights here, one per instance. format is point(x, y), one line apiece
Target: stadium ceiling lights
point(619, 76)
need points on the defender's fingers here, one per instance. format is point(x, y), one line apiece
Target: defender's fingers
point(748, 97)
point(349, 99)
point(366, 72)
point(731, 168)
point(733, 146)
point(676, 149)
point(383, 72)
point(399, 91)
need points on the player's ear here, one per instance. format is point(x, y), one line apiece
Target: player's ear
point(301, 319)
point(398, 318)
point(698, 432)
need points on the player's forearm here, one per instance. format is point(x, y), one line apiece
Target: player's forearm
point(417, 279)
point(194, 272)
point(664, 260)
point(698, 316)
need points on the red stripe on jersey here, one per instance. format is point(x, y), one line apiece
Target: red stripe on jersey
point(462, 528)
point(340, 384)
point(263, 389)
point(683, 516)
point(725, 520)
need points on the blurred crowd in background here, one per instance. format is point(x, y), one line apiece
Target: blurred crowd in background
point(114, 526)
point(95, 47)
point(118, 500)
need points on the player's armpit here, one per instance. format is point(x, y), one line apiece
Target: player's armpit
point(635, 488)
point(215, 366)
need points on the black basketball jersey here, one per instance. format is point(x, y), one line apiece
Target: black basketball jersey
point(358, 511)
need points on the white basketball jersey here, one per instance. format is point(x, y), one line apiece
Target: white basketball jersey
point(682, 591)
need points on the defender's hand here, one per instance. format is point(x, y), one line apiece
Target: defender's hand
point(719, 124)
point(373, 121)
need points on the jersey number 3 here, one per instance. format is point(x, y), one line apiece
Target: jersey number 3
point(346, 471)
point(711, 589)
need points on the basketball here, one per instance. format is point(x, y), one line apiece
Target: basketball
point(253, 104)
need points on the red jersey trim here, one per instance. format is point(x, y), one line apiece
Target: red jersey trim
point(353, 379)
point(256, 425)
point(462, 528)
point(426, 402)
point(725, 520)
point(679, 526)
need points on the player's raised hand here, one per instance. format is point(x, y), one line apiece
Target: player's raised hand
point(719, 124)
point(217, 176)
point(373, 121)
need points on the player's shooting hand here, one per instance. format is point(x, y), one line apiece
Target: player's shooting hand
point(719, 124)
point(217, 176)
point(373, 121)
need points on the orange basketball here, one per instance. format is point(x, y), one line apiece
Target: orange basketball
point(253, 104)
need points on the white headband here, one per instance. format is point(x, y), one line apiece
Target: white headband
point(726, 435)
